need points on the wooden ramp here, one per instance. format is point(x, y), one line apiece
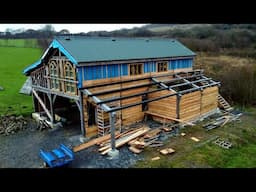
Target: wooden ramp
point(223, 104)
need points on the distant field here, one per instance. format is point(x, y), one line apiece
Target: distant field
point(176, 26)
point(31, 43)
point(12, 62)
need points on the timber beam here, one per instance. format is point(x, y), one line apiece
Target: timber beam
point(189, 82)
point(122, 89)
point(130, 96)
point(114, 83)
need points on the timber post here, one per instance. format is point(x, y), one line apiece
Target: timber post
point(51, 107)
point(79, 104)
point(178, 105)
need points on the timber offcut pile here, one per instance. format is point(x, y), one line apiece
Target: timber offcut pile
point(12, 124)
point(137, 139)
point(221, 121)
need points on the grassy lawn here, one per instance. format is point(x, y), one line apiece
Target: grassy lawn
point(204, 154)
point(30, 43)
point(12, 62)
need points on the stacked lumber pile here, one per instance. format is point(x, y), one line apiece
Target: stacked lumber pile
point(150, 139)
point(105, 142)
point(12, 124)
point(124, 138)
point(221, 121)
point(137, 139)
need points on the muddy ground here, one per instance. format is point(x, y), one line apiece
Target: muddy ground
point(21, 150)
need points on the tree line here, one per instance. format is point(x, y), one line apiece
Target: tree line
point(213, 38)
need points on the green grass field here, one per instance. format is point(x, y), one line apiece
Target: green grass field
point(29, 43)
point(12, 62)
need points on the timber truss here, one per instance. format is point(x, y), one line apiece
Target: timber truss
point(178, 84)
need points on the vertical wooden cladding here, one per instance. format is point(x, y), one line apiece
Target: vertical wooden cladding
point(209, 99)
point(166, 107)
point(190, 105)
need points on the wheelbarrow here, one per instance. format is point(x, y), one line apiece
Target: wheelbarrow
point(58, 157)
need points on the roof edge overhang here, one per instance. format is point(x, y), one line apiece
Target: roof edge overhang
point(55, 45)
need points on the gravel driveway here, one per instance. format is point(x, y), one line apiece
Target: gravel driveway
point(21, 150)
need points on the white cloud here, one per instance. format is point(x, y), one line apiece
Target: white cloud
point(73, 28)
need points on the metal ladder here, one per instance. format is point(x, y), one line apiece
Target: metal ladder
point(222, 103)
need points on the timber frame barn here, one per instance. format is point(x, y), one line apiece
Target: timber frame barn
point(109, 83)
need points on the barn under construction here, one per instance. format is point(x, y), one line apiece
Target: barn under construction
point(106, 84)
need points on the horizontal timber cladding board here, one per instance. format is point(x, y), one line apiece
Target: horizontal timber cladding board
point(133, 114)
point(135, 83)
point(191, 95)
point(209, 99)
point(208, 108)
point(108, 96)
point(129, 121)
point(167, 78)
point(213, 102)
point(211, 89)
point(100, 81)
point(190, 117)
point(133, 111)
point(190, 109)
point(210, 93)
point(159, 119)
point(131, 100)
point(113, 80)
point(165, 106)
point(91, 131)
point(123, 93)
point(190, 105)
point(117, 87)
point(104, 88)
point(134, 91)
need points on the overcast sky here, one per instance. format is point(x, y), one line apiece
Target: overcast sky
point(73, 28)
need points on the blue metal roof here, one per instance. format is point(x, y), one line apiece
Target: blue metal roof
point(95, 49)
